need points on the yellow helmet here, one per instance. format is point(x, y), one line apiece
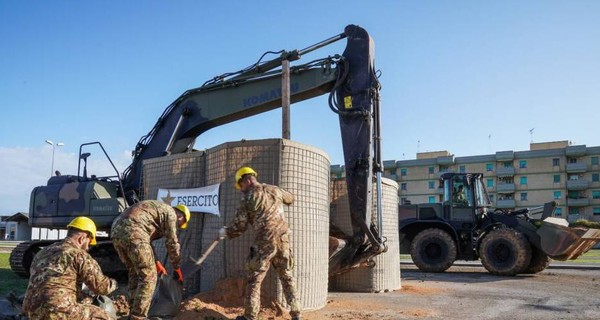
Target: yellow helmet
point(84, 224)
point(186, 213)
point(241, 173)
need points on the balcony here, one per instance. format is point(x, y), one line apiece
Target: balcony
point(505, 155)
point(505, 171)
point(507, 203)
point(505, 188)
point(577, 184)
point(448, 160)
point(576, 167)
point(579, 202)
point(575, 151)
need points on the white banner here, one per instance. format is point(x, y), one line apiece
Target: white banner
point(203, 199)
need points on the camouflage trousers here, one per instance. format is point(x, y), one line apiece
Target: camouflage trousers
point(74, 312)
point(138, 257)
point(262, 255)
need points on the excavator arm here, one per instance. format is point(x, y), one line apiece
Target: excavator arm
point(353, 88)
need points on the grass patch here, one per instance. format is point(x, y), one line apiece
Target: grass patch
point(9, 281)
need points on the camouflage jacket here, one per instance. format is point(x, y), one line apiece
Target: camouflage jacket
point(262, 207)
point(57, 273)
point(146, 221)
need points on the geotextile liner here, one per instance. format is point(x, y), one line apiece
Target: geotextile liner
point(385, 276)
point(298, 168)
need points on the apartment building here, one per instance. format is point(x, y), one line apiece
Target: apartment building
point(569, 174)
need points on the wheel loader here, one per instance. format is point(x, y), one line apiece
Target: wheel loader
point(464, 226)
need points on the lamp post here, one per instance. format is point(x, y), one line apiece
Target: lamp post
point(60, 144)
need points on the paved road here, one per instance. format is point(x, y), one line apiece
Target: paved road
point(470, 292)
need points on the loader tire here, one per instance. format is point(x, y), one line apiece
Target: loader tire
point(539, 261)
point(433, 250)
point(505, 252)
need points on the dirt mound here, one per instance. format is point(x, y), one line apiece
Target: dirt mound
point(225, 301)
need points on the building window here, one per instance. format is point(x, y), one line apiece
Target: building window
point(508, 164)
point(595, 177)
point(555, 162)
point(431, 199)
point(431, 184)
point(558, 212)
point(490, 182)
point(573, 210)
point(403, 186)
point(522, 164)
point(489, 167)
point(556, 178)
point(431, 170)
point(462, 169)
point(596, 211)
point(594, 160)
point(491, 198)
point(404, 201)
point(523, 180)
point(595, 194)
point(523, 196)
point(403, 172)
point(557, 195)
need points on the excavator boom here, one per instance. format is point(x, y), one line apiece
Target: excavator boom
point(349, 79)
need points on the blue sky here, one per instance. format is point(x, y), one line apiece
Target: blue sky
point(470, 77)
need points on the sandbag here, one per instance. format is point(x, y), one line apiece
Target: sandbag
point(166, 299)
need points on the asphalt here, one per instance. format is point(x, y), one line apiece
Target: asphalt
point(553, 265)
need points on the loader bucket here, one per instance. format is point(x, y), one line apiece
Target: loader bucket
point(561, 242)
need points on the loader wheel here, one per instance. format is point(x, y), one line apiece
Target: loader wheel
point(539, 261)
point(505, 252)
point(433, 250)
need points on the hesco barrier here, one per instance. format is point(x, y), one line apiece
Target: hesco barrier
point(298, 168)
point(385, 276)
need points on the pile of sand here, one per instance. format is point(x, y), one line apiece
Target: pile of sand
point(225, 301)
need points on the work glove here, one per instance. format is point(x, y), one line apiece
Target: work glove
point(222, 233)
point(178, 275)
point(160, 269)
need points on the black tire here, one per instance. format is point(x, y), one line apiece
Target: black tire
point(505, 252)
point(539, 261)
point(433, 250)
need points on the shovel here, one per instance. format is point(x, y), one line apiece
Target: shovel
point(169, 292)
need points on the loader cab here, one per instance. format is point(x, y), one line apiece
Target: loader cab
point(465, 199)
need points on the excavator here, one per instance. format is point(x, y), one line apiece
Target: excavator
point(350, 80)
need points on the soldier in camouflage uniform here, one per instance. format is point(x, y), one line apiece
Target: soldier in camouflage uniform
point(262, 208)
point(57, 275)
point(132, 234)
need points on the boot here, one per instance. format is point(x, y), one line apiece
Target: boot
point(240, 318)
point(296, 317)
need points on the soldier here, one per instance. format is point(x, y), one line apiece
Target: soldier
point(262, 208)
point(57, 273)
point(132, 235)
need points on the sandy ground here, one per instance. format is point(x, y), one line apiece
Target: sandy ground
point(459, 293)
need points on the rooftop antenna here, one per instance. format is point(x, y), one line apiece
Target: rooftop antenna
point(531, 134)
point(490, 142)
point(418, 146)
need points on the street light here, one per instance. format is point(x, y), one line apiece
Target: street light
point(60, 144)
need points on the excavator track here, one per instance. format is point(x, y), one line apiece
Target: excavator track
point(22, 256)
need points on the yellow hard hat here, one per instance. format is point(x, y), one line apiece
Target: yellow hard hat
point(241, 173)
point(186, 213)
point(84, 224)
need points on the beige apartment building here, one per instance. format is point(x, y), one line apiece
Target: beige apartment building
point(569, 174)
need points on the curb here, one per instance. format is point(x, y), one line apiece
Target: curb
point(553, 265)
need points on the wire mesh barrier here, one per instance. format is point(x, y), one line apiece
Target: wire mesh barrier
point(298, 168)
point(385, 275)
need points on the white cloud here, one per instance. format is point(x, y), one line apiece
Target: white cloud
point(26, 168)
